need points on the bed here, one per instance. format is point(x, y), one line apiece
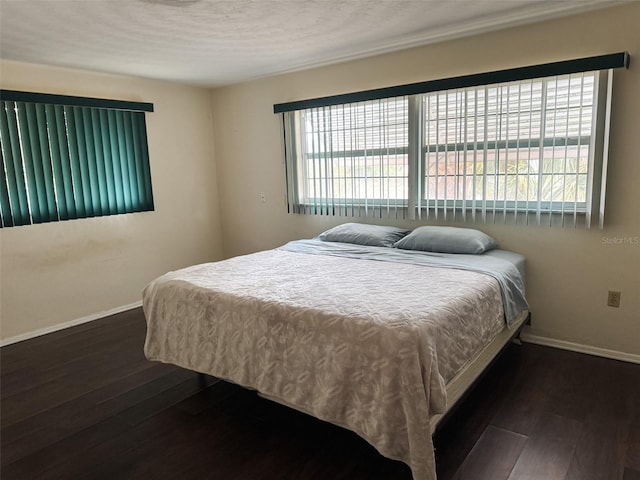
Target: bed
point(382, 341)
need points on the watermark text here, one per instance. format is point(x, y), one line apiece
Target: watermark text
point(621, 240)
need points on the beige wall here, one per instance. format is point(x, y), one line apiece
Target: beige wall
point(61, 272)
point(569, 271)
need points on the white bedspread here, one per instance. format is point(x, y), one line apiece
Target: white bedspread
point(364, 344)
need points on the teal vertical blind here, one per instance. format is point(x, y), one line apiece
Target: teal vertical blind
point(62, 162)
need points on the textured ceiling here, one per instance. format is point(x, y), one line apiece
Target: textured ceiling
point(218, 42)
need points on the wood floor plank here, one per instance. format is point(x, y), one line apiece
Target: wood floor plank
point(572, 385)
point(600, 452)
point(139, 412)
point(471, 418)
point(173, 444)
point(217, 392)
point(616, 392)
point(45, 462)
point(64, 342)
point(493, 457)
point(631, 474)
point(633, 449)
point(528, 394)
point(56, 424)
point(549, 449)
point(52, 393)
point(50, 370)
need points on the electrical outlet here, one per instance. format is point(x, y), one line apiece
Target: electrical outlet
point(613, 299)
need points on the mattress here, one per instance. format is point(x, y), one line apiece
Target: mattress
point(364, 343)
point(516, 259)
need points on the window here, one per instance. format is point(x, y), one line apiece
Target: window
point(530, 149)
point(520, 146)
point(353, 155)
point(71, 157)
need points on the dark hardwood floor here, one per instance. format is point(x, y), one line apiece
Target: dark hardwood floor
point(84, 403)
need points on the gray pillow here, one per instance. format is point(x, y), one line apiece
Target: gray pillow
point(364, 234)
point(447, 240)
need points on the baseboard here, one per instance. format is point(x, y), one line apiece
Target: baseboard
point(72, 323)
point(577, 347)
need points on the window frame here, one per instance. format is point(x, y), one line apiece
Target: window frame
point(541, 142)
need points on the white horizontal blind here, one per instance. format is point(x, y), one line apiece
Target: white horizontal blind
point(530, 151)
point(351, 159)
point(518, 151)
